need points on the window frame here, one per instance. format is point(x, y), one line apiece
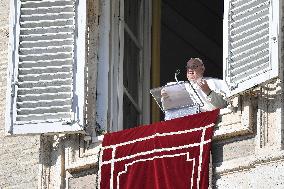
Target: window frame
point(144, 37)
point(110, 109)
point(137, 41)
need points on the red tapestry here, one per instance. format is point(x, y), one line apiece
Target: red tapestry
point(170, 154)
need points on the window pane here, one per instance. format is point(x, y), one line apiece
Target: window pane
point(131, 63)
point(131, 67)
point(131, 14)
point(130, 115)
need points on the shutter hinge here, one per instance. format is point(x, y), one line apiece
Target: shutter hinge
point(234, 86)
point(13, 88)
point(69, 122)
point(230, 17)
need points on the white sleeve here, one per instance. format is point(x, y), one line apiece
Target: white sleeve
point(217, 100)
point(219, 93)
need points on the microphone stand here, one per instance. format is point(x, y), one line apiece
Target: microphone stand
point(177, 73)
point(194, 90)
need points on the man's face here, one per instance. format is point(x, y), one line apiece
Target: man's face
point(195, 70)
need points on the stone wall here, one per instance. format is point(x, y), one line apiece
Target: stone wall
point(255, 159)
point(260, 176)
point(250, 160)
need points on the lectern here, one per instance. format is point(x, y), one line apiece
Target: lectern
point(175, 100)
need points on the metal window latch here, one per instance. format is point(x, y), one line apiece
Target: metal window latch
point(274, 39)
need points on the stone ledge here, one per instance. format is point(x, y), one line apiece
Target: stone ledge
point(82, 164)
point(246, 163)
point(85, 161)
point(81, 167)
point(235, 122)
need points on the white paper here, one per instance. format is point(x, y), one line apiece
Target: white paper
point(175, 96)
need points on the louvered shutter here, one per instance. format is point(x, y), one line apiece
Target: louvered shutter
point(251, 33)
point(45, 92)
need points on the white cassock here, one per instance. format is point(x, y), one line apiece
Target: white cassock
point(216, 99)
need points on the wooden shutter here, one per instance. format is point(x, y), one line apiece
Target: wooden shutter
point(47, 54)
point(251, 34)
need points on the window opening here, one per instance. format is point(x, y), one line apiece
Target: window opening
point(191, 28)
point(132, 64)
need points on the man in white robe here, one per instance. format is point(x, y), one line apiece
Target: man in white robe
point(205, 93)
point(210, 93)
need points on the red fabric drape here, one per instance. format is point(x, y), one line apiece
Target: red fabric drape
point(170, 154)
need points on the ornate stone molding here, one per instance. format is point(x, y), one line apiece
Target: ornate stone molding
point(236, 120)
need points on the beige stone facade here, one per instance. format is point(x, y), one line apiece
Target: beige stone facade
point(247, 151)
point(254, 159)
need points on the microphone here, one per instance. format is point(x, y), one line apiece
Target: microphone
point(176, 74)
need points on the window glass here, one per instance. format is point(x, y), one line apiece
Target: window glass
point(131, 64)
point(131, 67)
